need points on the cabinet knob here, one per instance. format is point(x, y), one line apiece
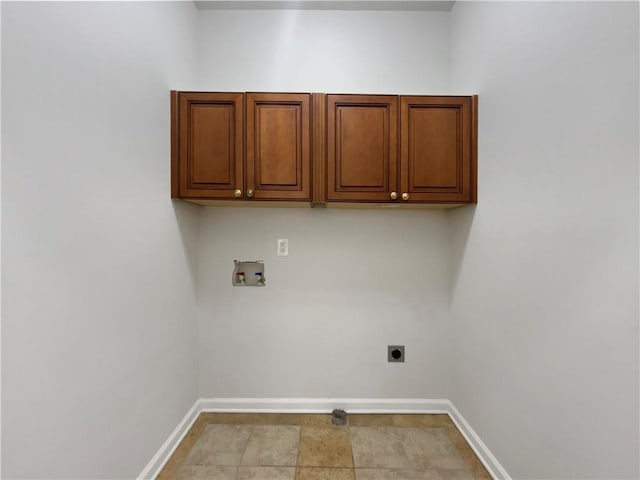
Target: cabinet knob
point(237, 193)
point(249, 192)
point(405, 196)
point(394, 195)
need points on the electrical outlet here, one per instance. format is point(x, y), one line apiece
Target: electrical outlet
point(395, 353)
point(283, 247)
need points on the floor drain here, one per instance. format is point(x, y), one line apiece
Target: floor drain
point(339, 417)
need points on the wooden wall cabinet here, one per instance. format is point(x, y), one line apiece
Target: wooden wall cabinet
point(207, 144)
point(437, 149)
point(278, 128)
point(362, 146)
point(425, 153)
point(235, 146)
point(324, 149)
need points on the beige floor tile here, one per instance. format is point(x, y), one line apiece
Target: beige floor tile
point(219, 445)
point(266, 473)
point(424, 445)
point(272, 445)
point(433, 474)
point(397, 474)
point(325, 447)
point(315, 473)
point(478, 470)
point(253, 418)
point(279, 419)
point(366, 420)
point(449, 462)
point(421, 421)
point(211, 417)
point(206, 472)
point(378, 447)
point(455, 436)
point(317, 420)
point(458, 474)
point(390, 474)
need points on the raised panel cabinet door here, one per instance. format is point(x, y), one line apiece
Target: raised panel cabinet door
point(362, 147)
point(211, 151)
point(278, 146)
point(437, 149)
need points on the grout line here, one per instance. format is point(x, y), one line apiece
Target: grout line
point(353, 458)
point(295, 474)
point(244, 451)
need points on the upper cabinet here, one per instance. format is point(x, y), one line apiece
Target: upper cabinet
point(207, 144)
point(437, 149)
point(423, 154)
point(278, 128)
point(325, 149)
point(362, 147)
point(234, 146)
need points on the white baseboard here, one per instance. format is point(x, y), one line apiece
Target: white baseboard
point(155, 465)
point(490, 462)
point(323, 405)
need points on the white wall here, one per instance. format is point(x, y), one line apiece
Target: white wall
point(355, 281)
point(545, 281)
point(324, 51)
point(99, 329)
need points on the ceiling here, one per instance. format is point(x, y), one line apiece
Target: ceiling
point(324, 5)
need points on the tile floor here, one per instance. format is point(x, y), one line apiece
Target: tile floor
point(241, 446)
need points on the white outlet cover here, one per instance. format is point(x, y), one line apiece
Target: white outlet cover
point(283, 247)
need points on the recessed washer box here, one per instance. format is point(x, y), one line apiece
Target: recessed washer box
point(248, 273)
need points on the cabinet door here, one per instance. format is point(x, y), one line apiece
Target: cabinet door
point(278, 151)
point(436, 149)
point(211, 144)
point(362, 146)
